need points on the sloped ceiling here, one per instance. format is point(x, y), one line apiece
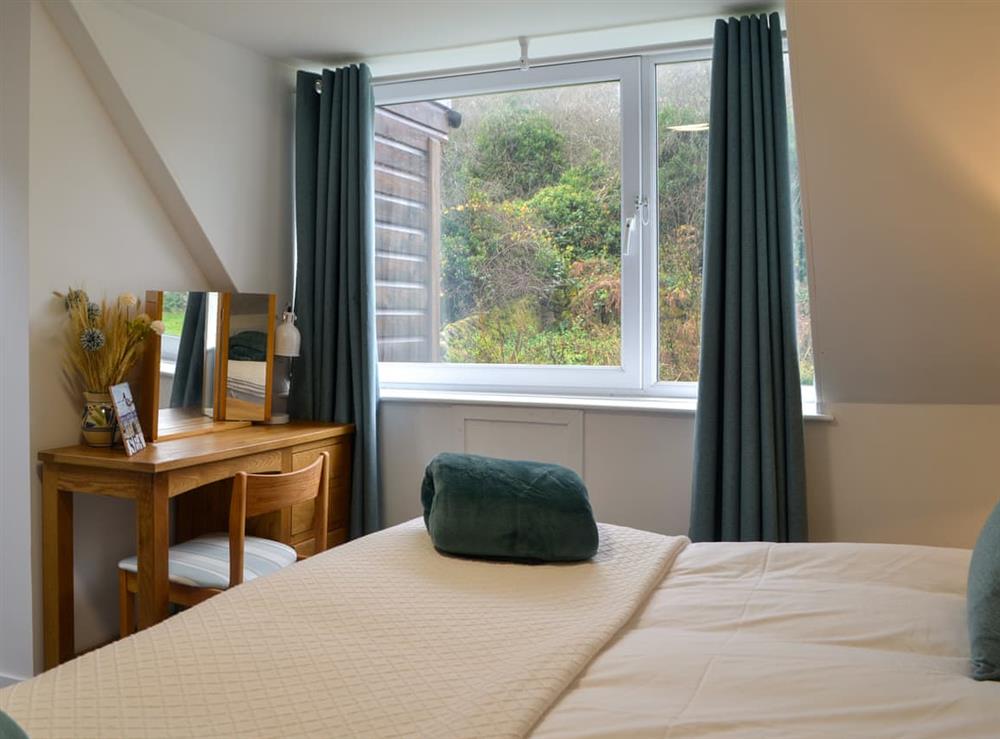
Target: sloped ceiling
point(898, 119)
point(209, 124)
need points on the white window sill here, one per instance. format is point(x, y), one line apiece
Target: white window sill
point(667, 406)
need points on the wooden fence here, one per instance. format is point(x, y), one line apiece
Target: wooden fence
point(408, 142)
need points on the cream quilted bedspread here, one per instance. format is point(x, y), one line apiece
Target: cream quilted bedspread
point(383, 637)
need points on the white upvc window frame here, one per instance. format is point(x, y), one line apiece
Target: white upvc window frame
point(652, 385)
point(638, 374)
point(625, 379)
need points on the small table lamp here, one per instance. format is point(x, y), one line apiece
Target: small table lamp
point(287, 342)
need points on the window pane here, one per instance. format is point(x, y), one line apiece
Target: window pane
point(682, 99)
point(174, 306)
point(498, 228)
point(807, 368)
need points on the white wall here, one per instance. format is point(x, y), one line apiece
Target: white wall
point(637, 466)
point(15, 501)
point(903, 474)
point(139, 129)
point(902, 332)
point(94, 222)
point(220, 118)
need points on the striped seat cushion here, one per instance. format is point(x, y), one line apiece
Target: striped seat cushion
point(204, 561)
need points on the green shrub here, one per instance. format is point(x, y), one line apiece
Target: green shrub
point(594, 292)
point(517, 151)
point(494, 254)
point(681, 159)
point(581, 212)
point(514, 334)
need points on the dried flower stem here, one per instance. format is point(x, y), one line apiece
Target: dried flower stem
point(100, 365)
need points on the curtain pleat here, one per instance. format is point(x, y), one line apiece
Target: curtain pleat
point(186, 390)
point(749, 468)
point(336, 376)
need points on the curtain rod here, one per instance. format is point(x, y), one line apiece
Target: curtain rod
point(694, 47)
point(526, 63)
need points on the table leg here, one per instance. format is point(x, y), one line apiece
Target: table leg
point(152, 528)
point(57, 569)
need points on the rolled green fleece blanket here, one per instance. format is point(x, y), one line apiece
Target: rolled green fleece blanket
point(9, 728)
point(503, 509)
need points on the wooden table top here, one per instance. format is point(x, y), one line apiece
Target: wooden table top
point(173, 454)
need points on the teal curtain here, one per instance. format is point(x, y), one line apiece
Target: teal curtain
point(749, 469)
point(186, 390)
point(336, 376)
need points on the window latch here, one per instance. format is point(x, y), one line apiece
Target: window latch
point(641, 215)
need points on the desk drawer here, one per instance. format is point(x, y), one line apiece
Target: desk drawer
point(340, 481)
point(307, 547)
point(339, 504)
point(340, 458)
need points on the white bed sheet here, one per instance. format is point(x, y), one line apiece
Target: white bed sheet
point(788, 640)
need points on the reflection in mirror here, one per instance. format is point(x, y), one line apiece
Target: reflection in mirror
point(211, 345)
point(248, 356)
point(211, 370)
point(187, 361)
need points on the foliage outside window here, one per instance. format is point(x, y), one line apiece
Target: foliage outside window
point(530, 229)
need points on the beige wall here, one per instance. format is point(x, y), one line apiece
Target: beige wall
point(908, 474)
point(897, 114)
point(912, 474)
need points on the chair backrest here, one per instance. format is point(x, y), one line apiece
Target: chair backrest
point(255, 495)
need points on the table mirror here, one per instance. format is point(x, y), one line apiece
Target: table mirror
point(211, 369)
point(246, 359)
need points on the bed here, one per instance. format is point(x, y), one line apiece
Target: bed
point(246, 380)
point(655, 637)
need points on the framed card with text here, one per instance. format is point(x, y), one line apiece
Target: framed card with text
point(128, 418)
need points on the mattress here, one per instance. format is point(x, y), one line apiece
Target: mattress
point(790, 640)
point(656, 638)
point(383, 637)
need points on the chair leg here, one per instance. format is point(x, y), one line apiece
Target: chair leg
point(126, 606)
point(183, 595)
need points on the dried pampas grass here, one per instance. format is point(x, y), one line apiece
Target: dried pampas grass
point(104, 341)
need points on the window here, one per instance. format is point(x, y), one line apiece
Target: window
point(174, 307)
point(681, 125)
point(517, 247)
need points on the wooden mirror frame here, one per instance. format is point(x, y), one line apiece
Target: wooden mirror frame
point(149, 395)
point(220, 405)
point(149, 392)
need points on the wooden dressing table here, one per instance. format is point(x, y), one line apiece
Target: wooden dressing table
point(161, 472)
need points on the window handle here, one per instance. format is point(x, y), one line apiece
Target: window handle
point(641, 215)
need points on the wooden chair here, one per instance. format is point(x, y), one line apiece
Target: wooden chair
point(206, 565)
